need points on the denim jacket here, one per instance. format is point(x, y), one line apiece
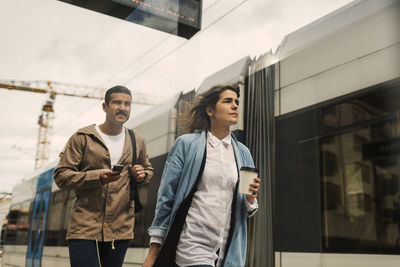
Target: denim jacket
point(180, 172)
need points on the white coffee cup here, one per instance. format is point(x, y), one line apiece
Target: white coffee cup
point(247, 175)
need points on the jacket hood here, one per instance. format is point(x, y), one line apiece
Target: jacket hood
point(90, 130)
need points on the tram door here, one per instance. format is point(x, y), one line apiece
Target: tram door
point(38, 220)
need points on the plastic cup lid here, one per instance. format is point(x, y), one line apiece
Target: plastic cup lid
point(249, 169)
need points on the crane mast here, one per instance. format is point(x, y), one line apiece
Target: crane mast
point(46, 118)
point(46, 122)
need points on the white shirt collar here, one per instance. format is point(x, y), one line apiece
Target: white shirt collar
point(214, 141)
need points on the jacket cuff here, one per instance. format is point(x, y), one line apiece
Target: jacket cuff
point(93, 177)
point(156, 239)
point(157, 231)
point(147, 177)
point(251, 207)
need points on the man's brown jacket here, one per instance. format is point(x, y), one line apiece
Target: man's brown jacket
point(101, 212)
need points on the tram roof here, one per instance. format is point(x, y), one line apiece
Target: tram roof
point(27, 187)
point(155, 111)
point(328, 24)
point(231, 74)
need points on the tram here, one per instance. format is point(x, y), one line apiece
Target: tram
point(321, 117)
point(336, 185)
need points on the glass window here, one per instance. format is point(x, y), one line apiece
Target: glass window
point(55, 235)
point(11, 226)
point(360, 172)
point(361, 109)
point(68, 209)
point(17, 227)
point(179, 17)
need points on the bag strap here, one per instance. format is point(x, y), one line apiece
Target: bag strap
point(133, 188)
point(133, 140)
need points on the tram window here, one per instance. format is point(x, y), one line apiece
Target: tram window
point(23, 223)
point(68, 209)
point(330, 163)
point(360, 109)
point(358, 142)
point(148, 198)
point(361, 201)
point(140, 220)
point(65, 219)
point(55, 236)
point(17, 228)
point(11, 227)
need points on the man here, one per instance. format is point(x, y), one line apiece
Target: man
point(102, 217)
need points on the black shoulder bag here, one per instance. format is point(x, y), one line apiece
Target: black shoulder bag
point(133, 192)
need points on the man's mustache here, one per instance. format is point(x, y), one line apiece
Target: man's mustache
point(121, 112)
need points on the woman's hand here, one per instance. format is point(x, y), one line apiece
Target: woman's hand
point(153, 253)
point(254, 188)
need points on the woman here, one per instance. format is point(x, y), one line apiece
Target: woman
point(200, 218)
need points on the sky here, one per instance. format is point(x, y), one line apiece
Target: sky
point(48, 40)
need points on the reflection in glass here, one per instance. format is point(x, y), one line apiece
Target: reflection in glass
point(17, 225)
point(179, 17)
point(367, 107)
point(360, 174)
point(55, 234)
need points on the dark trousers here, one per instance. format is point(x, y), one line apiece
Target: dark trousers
point(198, 266)
point(83, 253)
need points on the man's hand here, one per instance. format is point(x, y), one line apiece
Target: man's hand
point(108, 176)
point(137, 172)
point(254, 188)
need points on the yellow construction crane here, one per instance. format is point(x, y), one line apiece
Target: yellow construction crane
point(46, 118)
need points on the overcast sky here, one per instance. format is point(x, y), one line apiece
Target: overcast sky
point(52, 40)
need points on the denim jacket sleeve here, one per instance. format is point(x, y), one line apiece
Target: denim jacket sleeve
point(167, 190)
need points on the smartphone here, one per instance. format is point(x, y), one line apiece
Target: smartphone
point(117, 168)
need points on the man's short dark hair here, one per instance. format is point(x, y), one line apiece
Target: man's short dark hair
point(116, 89)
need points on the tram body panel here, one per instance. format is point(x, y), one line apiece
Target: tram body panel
point(357, 56)
point(14, 255)
point(340, 46)
point(135, 257)
point(55, 256)
point(59, 256)
point(288, 259)
point(158, 127)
